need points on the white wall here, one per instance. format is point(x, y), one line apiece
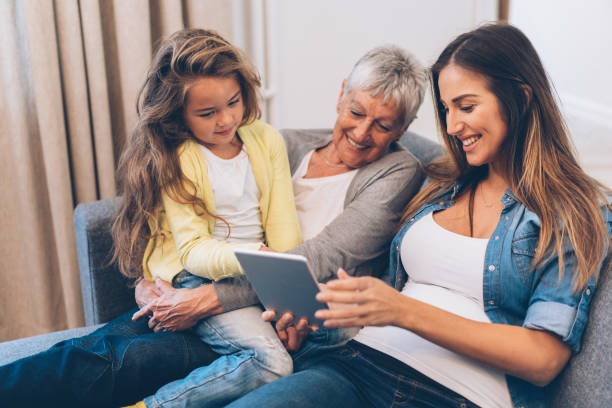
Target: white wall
point(316, 42)
point(574, 40)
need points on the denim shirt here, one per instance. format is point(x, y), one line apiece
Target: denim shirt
point(513, 293)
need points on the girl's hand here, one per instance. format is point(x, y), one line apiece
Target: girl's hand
point(179, 309)
point(363, 301)
point(267, 249)
point(291, 335)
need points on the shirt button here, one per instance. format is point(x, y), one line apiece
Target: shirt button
point(588, 291)
point(491, 302)
point(491, 268)
point(496, 237)
point(507, 217)
point(412, 219)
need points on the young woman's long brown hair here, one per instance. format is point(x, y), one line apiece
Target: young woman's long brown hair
point(538, 158)
point(149, 163)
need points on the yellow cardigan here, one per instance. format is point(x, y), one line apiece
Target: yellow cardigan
point(186, 241)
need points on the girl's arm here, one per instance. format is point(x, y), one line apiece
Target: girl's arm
point(198, 252)
point(533, 355)
point(281, 222)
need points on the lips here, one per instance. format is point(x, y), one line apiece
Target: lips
point(355, 144)
point(224, 132)
point(470, 140)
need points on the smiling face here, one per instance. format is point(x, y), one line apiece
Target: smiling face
point(473, 114)
point(365, 127)
point(213, 111)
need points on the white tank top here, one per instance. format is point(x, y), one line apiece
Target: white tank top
point(445, 270)
point(236, 198)
point(318, 200)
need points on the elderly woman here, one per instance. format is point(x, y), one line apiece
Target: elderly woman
point(351, 184)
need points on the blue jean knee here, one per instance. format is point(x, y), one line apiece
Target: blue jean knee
point(241, 330)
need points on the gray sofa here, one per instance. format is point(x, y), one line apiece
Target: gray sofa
point(585, 382)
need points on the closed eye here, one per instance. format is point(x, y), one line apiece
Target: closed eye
point(383, 127)
point(467, 108)
point(206, 114)
point(234, 102)
point(357, 114)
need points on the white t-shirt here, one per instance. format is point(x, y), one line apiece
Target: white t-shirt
point(445, 270)
point(318, 200)
point(236, 198)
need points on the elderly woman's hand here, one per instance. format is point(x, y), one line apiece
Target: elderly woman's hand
point(363, 301)
point(179, 309)
point(145, 292)
point(291, 335)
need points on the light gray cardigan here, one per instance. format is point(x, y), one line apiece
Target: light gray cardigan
point(358, 239)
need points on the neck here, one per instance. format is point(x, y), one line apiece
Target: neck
point(495, 181)
point(331, 158)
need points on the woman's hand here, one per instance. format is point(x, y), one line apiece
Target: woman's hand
point(363, 301)
point(292, 336)
point(179, 309)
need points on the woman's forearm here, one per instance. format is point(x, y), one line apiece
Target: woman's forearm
point(533, 355)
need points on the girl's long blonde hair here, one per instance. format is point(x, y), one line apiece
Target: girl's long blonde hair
point(538, 158)
point(149, 163)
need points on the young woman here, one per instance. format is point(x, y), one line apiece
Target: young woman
point(201, 176)
point(496, 262)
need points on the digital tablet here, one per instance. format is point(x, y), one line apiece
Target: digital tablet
point(283, 282)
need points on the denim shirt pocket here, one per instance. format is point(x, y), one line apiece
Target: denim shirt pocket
point(523, 252)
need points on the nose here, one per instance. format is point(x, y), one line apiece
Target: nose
point(223, 118)
point(362, 130)
point(454, 126)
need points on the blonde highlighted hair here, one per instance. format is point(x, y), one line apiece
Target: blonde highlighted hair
point(537, 156)
point(149, 163)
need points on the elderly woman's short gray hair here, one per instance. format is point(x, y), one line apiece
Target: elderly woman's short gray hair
point(393, 72)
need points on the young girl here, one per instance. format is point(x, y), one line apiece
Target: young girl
point(201, 176)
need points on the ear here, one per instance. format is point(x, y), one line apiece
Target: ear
point(340, 97)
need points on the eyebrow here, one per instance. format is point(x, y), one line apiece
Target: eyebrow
point(385, 118)
point(460, 97)
point(209, 109)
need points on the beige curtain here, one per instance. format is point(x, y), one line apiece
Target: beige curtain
point(69, 75)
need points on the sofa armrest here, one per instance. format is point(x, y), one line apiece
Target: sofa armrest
point(585, 381)
point(106, 293)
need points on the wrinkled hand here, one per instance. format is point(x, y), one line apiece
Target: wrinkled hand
point(363, 301)
point(291, 335)
point(179, 309)
point(145, 292)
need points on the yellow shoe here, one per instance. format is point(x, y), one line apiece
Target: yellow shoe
point(139, 404)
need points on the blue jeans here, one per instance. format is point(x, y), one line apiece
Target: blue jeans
point(118, 364)
point(352, 376)
point(251, 356)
